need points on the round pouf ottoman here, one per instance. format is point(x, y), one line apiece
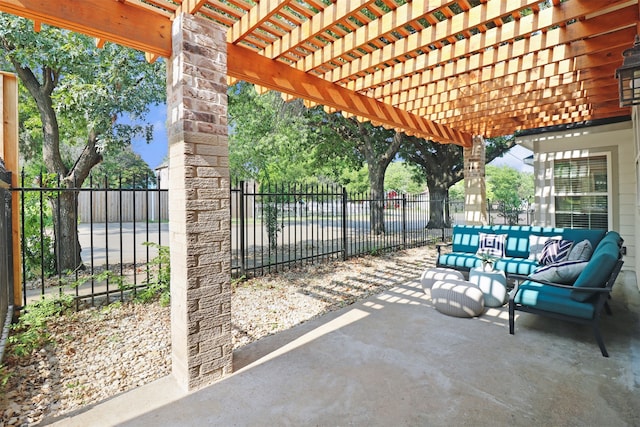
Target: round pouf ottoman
point(432, 275)
point(457, 298)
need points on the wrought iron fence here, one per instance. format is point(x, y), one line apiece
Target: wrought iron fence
point(272, 228)
point(113, 249)
point(278, 227)
point(6, 257)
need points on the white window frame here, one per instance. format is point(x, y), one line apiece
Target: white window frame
point(609, 192)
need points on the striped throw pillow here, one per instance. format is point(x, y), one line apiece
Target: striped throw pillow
point(555, 251)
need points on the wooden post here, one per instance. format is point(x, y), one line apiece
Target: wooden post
point(9, 152)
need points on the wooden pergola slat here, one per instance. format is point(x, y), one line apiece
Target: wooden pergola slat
point(420, 63)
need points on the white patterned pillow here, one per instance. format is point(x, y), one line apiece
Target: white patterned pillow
point(536, 245)
point(492, 244)
point(555, 251)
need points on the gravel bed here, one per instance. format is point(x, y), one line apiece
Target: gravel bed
point(100, 352)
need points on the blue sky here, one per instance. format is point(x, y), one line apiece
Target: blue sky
point(155, 152)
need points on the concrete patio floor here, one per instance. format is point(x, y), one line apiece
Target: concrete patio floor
point(393, 360)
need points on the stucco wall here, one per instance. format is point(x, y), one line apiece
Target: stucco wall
point(616, 140)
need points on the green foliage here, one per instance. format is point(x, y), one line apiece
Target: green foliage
point(456, 191)
point(401, 178)
point(5, 376)
point(356, 181)
point(123, 168)
point(266, 136)
point(39, 255)
point(30, 333)
point(270, 215)
point(510, 189)
point(159, 269)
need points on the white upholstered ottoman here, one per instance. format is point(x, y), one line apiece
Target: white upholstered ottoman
point(432, 275)
point(457, 298)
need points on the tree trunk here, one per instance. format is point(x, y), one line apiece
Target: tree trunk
point(438, 212)
point(65, 220)
point(67, 245)
point(376, 181)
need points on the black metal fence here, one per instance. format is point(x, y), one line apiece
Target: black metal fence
point(6, 257)
point(284, 226)
point(113, 256)
point(272, 228)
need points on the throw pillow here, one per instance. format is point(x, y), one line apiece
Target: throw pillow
point(555, 251)
point(581, 251)
point(536, 244)
point(565, 272)
point(491, 244)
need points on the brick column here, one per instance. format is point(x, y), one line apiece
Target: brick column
point(475, 194)
point(199, 217)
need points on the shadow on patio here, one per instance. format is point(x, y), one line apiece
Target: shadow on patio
point(394, 360)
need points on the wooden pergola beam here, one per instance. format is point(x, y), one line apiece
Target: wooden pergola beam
point(452, 63)
point(544, 63)
point(251, 67)
point(391, 21)
point(503, 90)
point(109, 20)
point(460, 23)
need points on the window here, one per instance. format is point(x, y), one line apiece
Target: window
point(582, 192)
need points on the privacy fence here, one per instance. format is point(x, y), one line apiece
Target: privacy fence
point(121, 231)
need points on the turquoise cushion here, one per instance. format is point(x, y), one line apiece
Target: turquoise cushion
point(598, 270)
point(580, 234)
point(613, 237)
point(518, 241)
point(459, 260)
point(550, 298)
point(516, 265)
point(466, 239)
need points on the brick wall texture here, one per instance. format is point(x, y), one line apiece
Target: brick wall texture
point(475, 209)
point(199, 219)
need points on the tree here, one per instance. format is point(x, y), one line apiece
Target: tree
point(124, 168)
point(443, 166)
point(266, 136)
point(399, 177)
point(80, 92)
point(342, 137)
point(510, 189)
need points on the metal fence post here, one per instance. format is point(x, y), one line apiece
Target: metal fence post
point(243, 249)
point(404, 221)
point(344, 224)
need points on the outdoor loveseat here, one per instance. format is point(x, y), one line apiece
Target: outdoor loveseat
point(566, 274)
point(519, 256)
point(581, 301)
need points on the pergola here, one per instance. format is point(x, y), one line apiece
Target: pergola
point(449, 71)
point(439, 69)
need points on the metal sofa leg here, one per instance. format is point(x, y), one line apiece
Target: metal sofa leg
point(603, 350)
point(511, 318)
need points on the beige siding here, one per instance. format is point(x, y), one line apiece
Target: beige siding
point(615, 140)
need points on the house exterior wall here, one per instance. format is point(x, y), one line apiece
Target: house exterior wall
point(614, 140)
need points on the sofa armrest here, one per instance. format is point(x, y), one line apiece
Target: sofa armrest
point(441, 245)
point(521, 278)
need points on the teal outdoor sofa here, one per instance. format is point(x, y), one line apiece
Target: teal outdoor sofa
point(466, 240)
point(580, 302)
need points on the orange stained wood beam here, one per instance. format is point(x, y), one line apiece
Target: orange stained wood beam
point(110, 20)
point(9, 152)
point(423, 39)
point(249, 66)
point(504, 53)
